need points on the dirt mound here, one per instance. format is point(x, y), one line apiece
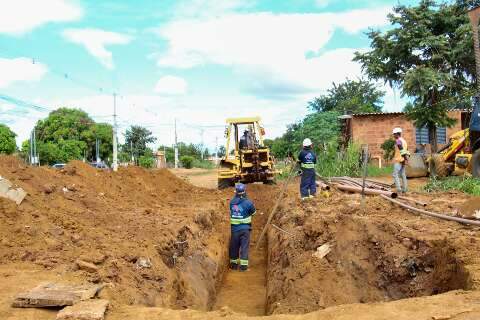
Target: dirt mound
point(148, 233)
point(382, 254)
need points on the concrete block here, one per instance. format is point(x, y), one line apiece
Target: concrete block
point(7, 191)
point(55, 295)
point(85, 310)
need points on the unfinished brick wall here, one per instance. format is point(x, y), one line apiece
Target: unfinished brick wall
point(374, 129)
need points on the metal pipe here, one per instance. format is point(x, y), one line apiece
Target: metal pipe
point(367, 190)
point(421, 203)
point(432, 214)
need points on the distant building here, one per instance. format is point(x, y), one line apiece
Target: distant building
point(374, 128)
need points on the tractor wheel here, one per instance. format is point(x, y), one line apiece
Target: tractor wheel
point(476, 164)
point(225, 183)
point(438, 166)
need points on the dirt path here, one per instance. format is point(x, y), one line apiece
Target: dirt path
point(245, 292)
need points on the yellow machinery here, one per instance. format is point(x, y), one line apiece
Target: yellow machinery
point(247, 159)
point(457, 157)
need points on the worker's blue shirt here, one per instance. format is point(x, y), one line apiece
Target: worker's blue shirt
point(241, 212)
point(307, 159)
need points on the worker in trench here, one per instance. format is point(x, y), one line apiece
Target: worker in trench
point(241, 212)
point(400, 161)
point(307, 160)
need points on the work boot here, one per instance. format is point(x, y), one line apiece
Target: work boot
point(233, 266)
point(243, 268)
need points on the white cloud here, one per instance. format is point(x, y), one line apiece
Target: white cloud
point(20, 16)
point(95, 42)
point(171, 85)
point(270, 47)
point(20, 69)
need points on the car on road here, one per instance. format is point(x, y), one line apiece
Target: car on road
point(99, 165)
point(58, 166)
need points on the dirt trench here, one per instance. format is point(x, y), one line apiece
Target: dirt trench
point(380, 255)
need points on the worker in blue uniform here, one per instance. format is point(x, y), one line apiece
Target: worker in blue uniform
point(241, 212)
point(307, 160)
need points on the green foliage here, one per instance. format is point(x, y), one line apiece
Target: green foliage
point(375, 171)
point(428, 53)
point(351, 96)
point(146, 161)
point(468, 185)
point(221, 151)
point(137, 139)
point(322, 127)
point(187, 161)
point(388, 147)
point(7, 140)
point(334, 163)
point(61, 152)
point(203, 164)
point(192, 150)
point(68, 134)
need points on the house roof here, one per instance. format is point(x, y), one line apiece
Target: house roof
point(394, 113)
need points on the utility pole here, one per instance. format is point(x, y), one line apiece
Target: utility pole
point(176, 145)
point(31, 148)
point(203, 148)
point(114, 142)
point(97, 150)
point(131, 151)
point(216, 150)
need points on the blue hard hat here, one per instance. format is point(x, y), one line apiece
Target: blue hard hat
point(240, 188)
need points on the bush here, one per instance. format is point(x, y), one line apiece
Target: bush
point(187, 161)
point(146, 161)
point(203, 164)
point(388, 147)
point(333, 163)
point(468, 185)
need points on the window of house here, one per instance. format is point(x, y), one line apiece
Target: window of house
point(422, 136)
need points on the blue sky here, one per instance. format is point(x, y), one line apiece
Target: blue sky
point(199, 61)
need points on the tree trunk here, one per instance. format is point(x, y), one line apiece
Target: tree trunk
point(432, 137)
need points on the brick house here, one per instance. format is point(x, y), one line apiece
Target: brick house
point(374, 128)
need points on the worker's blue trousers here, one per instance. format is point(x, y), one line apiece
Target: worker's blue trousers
point(307, 183)
point(239, 243)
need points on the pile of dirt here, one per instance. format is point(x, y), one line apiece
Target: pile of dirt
point(380, 254)
point(153, 238)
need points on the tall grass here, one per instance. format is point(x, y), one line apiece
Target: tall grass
point(465, 184)
point(334, 163)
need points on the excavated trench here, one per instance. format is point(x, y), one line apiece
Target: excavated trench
point(369, 262)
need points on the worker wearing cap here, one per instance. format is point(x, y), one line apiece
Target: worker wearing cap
point(241, 212)
point(400, 160)
point(307, 160)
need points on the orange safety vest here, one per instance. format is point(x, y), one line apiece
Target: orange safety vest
point(398, 157)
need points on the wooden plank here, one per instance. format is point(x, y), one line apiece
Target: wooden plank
point(55, 295)
point(85, 310)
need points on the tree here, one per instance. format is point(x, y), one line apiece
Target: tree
point(351, 96)
point(221, 152)
point(428, 53)
point(321, 127)
point(104, 133)
point(136, 140)
point(7, 140)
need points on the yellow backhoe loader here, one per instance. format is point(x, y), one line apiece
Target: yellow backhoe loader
point(246, 159)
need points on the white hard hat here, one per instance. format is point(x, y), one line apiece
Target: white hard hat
point(307, 142)
point(397, 130)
